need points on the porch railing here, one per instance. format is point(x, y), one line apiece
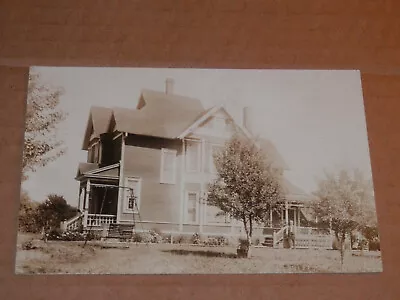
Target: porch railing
point(311, 231)
point(96, 220)
point(279, 235)
point(72, 224)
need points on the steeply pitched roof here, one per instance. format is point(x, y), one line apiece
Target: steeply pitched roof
point(98, 123)
point(272, 154)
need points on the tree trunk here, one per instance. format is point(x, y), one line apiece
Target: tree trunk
point(342, 247)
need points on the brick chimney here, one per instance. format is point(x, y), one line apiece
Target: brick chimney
point(248, 119)
point(169, 86)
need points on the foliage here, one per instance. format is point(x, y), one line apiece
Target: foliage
point(70, 235)
point(196, 239)
point(247, 188)
point(53, 211)
point(347, 202)
point(27, 215)
point(28, 245)
point(43, 115)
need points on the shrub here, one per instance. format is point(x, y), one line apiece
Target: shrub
point(28, 245)
point(155, 236)
point(196, 238)
point(180, 239)
point(256, 242)
point(137, 237)
point(222, 241)
point(166, 238)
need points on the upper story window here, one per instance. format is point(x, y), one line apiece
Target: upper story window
point(193, 156)
point(168, 166)
point(94, 153)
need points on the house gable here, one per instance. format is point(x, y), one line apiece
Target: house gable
point(215, 122)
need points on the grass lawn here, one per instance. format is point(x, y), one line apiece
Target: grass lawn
point(71, 258)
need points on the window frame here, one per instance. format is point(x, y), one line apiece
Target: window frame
point(164, 180)
point(188, 156)
point(197, 220)
point(125, 195)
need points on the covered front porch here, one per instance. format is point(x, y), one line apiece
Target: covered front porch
point(98, 197)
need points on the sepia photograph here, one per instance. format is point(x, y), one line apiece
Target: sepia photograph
point(195, 171)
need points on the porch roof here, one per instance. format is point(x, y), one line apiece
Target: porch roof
point(91, 170)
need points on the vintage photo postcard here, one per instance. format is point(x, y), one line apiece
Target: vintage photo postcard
point(189, 171)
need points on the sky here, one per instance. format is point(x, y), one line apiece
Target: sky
point(314, 118)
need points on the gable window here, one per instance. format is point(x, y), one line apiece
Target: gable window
point(192, 201)
point(168, 166)
point(132, 194)
point(193, 156)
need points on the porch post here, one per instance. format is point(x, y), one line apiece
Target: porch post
point(270, 218)
point(86, 206)
point(298, 216)
point(286, 213)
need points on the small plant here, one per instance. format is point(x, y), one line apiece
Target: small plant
point(196, 239)
point(28, 245)
point(180, 239)
point(155, 236)
point(222, 241)
point(137, 237)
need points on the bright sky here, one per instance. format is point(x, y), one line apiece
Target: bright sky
point(315, 118)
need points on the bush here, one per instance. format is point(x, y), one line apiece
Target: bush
point(137, 237)
point(28, 245)
point(70, 235)
point(196, 239)
point(181, 239)
point(155, 236)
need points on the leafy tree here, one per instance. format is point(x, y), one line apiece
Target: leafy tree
point(27, 215)
point(347, 202)
point(41, 144)
point(53, 211)
point(246, 188)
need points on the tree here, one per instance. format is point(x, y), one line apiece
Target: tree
point(347, 202)
point(246, 188)
point(27, 215)
point(53, 211)
point(41, 144)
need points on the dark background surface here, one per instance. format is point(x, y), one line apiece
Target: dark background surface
point(305, 34)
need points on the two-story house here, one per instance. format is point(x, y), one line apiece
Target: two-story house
point(162, 153)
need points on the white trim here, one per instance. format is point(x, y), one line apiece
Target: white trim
point(185, 221)
point(106, 168)
point(117, 136)
point(207, 115)
point(138, 180)
point(199, 121)
point(121, 178)
point(198, 144)
point(163, 180)
point(182, 191)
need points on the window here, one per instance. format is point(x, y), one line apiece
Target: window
point(132, 194)
point(193, 156)
point(215, 216)
point(215, 149)
point(168, 166)
point(192, 207)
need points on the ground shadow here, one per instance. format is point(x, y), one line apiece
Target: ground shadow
point(201, 253)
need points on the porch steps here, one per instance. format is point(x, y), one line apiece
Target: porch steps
point(268, 242)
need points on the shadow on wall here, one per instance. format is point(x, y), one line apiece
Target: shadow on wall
point(201, 253)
